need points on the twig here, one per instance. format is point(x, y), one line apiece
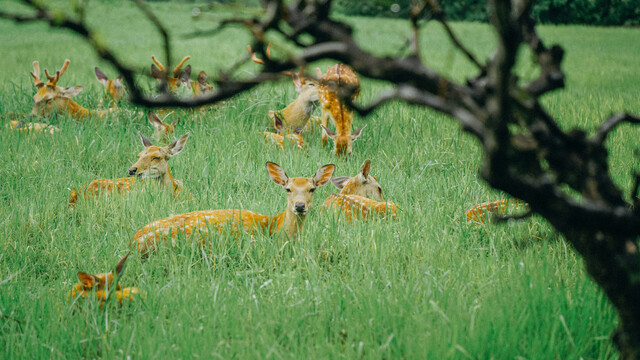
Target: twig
point(612, 122)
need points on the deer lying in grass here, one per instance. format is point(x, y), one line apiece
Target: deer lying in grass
point(279, 137)
point(162, 132)
point(299, 197)
point(181, 77)
point(153, 163)
point(338, 78)
point(114, 89)
point(360, 196)
point(51, 98)
point(32, 127)
point(101, 286)
point(478, 214)
point(297, 114)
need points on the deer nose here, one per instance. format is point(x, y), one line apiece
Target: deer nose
point(300, 207)
point(132, 171)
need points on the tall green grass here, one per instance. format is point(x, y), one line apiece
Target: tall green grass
point(424, 286)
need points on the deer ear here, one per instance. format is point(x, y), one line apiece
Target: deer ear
point(87, 280)
point(323, 175)
point(318, 72)
point(101, 76)
point(145, 141)
point(156, 73)
point(355, 134)
point(340, 181)
point(176, 147)
point(120, 265)
point(366, 167)
point(277, 122)
point(185, 76)
point(330, 133)
point(277, 174)
point(298, 81)
point(154, 119)
point(202, 78)
point(71, 91)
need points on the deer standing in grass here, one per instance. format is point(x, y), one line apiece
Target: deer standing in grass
point(338, 79)
point(296, 115)
point(162, 132)
point(101, 286)
point(478, 214)
point(279, 137)
point(50, 98)
point(152, 164)
point(114, 88)
point(299, 197)
point(360, 196)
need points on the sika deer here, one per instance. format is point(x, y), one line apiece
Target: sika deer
point(113, 88)
point(299, 197)
point(51, 98)
point(338, 78)
point(360, 196)
point(101, 285)
point(152, 164)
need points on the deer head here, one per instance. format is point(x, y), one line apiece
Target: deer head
point(114, 88)
point(343, 142)
point(162, 131)
point(90, 282)
point(153, 160)
point(362, 184)
point(180, 76)
point(49, 97)
point(299, 189)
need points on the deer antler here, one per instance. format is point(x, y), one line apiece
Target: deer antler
point(157, 63)
point(53, 80)
point(36, 74)
point(255, 58)
point(176, 70)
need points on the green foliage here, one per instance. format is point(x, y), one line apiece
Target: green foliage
point(424, 286)
point(593, 12)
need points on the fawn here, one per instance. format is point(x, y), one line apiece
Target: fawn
point(152, 164)
point(162, 132)
point(279, 137)
point(338, 78)
point(478, 214)
point(113, 88)
point(50, 98)
point(299, 197)
point(360, 196)
point(101, 286)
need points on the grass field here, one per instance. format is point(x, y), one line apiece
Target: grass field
point(424, 286)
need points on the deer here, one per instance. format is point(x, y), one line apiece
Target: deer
point(181, 77)
point(337, 78)
point(279, 137)
point(297, 114)
point(28, 127)
point(152, 164)
point(114, 88)
point(288, 223)
point(101, 286)
point(478, 214)
point(360, 196)
point(50, 98)
point(162, 131)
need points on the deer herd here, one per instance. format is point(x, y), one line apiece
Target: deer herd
point(360, 197)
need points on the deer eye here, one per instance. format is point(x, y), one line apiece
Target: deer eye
point(380, 190)
point(156, 158)
point(288, 190)
point(312, 189)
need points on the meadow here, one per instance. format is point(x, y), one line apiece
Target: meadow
point(425, 286)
